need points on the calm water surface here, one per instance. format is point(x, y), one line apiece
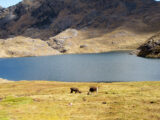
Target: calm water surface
point(106, 67)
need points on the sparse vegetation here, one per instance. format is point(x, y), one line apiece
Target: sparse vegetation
point(42, 100)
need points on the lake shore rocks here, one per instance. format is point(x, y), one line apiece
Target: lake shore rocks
point(151, 48)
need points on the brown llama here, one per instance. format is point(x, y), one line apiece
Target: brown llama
point(92, 90)
point(76, 90)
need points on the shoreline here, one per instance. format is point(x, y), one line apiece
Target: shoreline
point(108, 51)
point(93, 82)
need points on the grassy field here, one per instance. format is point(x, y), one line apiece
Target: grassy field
point(42, 100)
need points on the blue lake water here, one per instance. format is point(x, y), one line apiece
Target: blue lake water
point(103, 67)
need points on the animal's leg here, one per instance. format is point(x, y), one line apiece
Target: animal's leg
point(71, 91)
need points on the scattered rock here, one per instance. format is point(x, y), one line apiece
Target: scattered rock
point(70, 104)
point(152, 102)
point(106, 92)
point(83, 46)
point(104, 102)
point(63, 50)
point(58, 44)
point(1, 99)
point(84, 99)
point(135, 52)
point(36, 100)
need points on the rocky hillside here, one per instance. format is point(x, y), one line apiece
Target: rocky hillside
point(24, 47)
point(83, 26)
point(151, 48)
point(50, 17)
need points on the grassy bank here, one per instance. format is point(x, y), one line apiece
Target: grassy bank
point(42, 100)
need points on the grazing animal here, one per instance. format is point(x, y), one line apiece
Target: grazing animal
point(76, 90)
point(92, 90)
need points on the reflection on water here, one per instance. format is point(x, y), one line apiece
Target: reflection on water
point(106, 67)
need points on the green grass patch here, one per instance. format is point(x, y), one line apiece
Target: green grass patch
point(3, 115)
point(10, 100)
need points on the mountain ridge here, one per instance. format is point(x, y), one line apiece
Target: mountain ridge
point(100, 25)
point(58, 15)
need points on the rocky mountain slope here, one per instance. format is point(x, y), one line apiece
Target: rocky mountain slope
point(151, 48)
point(24, 47)
point(83, 26)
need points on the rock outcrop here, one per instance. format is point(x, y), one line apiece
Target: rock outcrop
point(151, 48)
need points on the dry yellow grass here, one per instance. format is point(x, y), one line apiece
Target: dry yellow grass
point(42, 100)
point(24, 46)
